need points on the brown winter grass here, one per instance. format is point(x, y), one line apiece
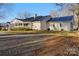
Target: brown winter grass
point(59, 46)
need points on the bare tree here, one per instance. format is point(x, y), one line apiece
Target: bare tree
point(64, 9)
point(67, 6)
point(4, 8)
point(77, 13)
point(24, 15)
point(60, 13)
point(54, 13)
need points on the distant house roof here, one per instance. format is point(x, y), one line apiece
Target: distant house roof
point(3, 24)
point(27, 19)
point(38, 18)
point(64, 18)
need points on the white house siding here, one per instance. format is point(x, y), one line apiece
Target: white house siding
point(36, 25)
point(29, 25)
point(66, 26)
point(14, 22)
point(39, 25)
point(52, 24)
point(43, 25)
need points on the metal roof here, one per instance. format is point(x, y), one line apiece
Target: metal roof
point(27, 19)
point(64, 18)
point(38, 18)
point(48, 18)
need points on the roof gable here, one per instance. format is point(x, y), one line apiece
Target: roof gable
point(16, 21)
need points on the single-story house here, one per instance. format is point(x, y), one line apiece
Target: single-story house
point(64, 23)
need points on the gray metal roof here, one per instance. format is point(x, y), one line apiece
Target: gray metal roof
point(48, 18)
point(64, 18)
point(38, 18)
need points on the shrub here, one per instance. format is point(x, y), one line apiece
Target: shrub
point(48, 29)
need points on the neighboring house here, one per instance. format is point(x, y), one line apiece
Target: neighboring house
point(4, 26)
point(65, 23)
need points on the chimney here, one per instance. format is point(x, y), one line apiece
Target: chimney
point(35, 16)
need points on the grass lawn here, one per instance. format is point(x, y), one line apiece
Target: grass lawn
point(61, 45)
point(62, 33)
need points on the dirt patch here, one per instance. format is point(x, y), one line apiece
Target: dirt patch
point(59, 46)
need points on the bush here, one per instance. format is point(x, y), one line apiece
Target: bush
point(3, 29)
point(48, 29)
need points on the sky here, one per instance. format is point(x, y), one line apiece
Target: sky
point(33, 8)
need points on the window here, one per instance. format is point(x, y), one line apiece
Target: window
point(26, 24)
point(53, 25)
point(60, 25)
point(71, 25)
point(16, 24)
point(20, 24)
